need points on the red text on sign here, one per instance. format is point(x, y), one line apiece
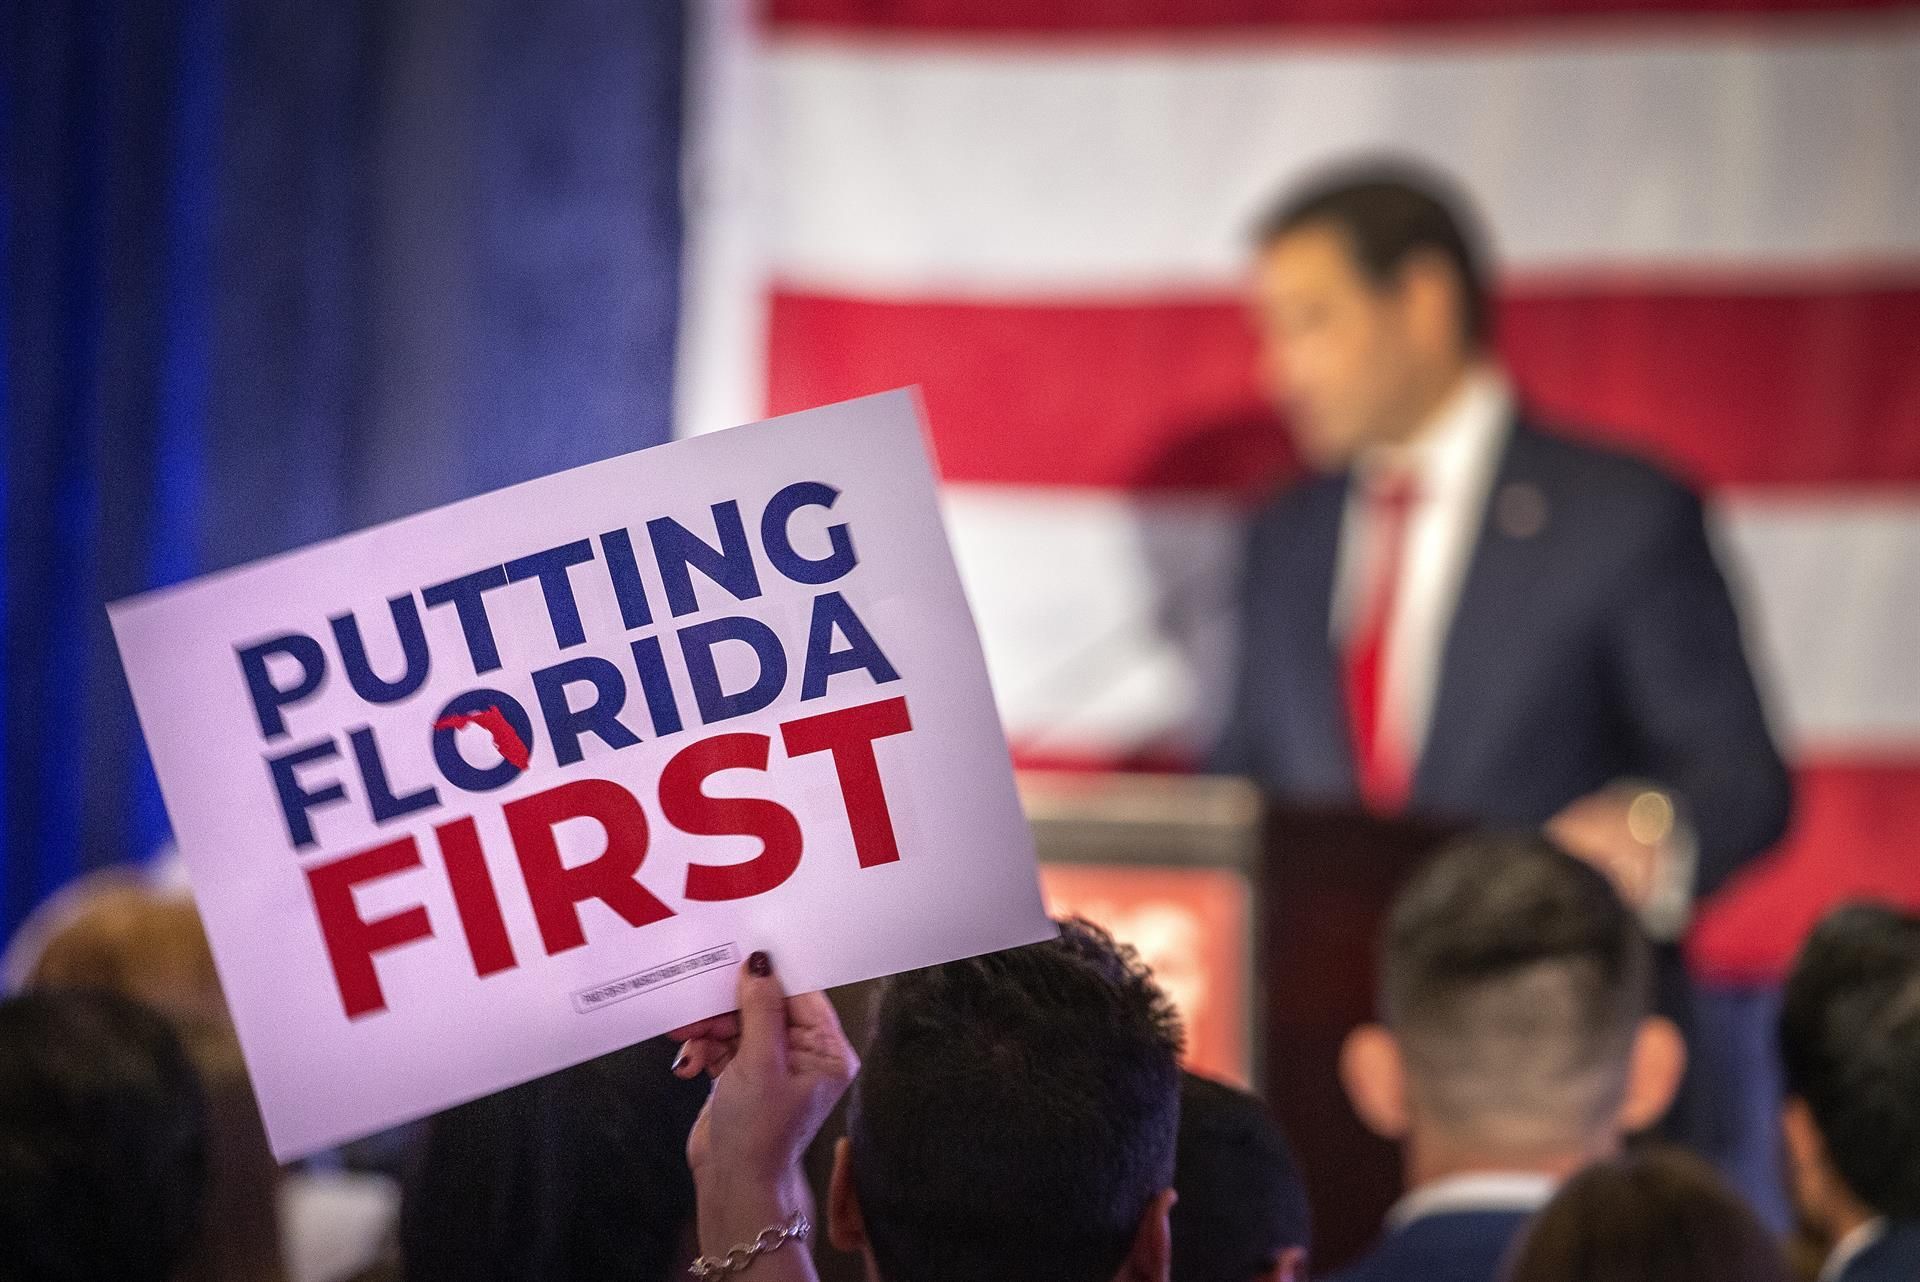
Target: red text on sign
point(555, 890)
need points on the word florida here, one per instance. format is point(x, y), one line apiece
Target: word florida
point(579, 696)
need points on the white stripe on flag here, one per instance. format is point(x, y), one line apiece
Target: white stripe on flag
point(1099, 613)
point(1831, 586)
point(917, 169)
point(1107, 618)
point(720, 375)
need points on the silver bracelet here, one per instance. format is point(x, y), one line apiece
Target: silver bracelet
point(771, 1238)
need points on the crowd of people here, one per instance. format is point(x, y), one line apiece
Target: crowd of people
point(1020, 1115)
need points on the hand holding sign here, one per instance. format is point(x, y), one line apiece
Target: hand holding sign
point(478, 794)
point(786, 1064)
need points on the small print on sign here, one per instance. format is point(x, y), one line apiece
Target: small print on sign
point(489, 791)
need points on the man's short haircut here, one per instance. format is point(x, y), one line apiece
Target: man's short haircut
point(1388, 211)
point(1016, 1114)
point(1850, 1047)
point(102, 1140)
point(1242, 1203)
point(1515, 981)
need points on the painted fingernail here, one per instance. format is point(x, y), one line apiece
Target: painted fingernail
point(759, 964)
point(680, 1060)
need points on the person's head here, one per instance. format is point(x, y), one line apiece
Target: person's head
point(1242, 1213)
point(1514, 997)
point(1015, 1118)
point(1371, 294)
point(581, 1174)
point(1655, 1216)
point(152, 947)
point(1850, 1048)
point(102, 1142)
point(124, 936)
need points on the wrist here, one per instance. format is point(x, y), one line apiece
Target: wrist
point(733, 1208)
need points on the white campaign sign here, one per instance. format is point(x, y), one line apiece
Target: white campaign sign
point(485, 792)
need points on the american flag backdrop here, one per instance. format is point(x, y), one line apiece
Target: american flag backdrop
point(1706, 212)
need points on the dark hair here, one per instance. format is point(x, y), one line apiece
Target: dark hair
point(1659, 1215)
point(1241, 1200)
point(1850, 1046)
point(1016, 1113)
point(581, 1174)
point(102, 1140)
point(1515, 980)
point(1388, 211)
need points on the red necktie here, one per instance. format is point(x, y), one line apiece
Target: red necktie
point(1383, 765)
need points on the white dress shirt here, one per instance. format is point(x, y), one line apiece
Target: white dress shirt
point(1523, 1191)
point(1452, 461)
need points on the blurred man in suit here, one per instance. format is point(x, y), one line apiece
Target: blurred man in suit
point(1515, 1047)
point(1469, 616)
point(1850, 1044)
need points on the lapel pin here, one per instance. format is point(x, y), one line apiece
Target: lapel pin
point(1520, 510)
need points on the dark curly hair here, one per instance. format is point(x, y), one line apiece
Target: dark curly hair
point(1016, 1113)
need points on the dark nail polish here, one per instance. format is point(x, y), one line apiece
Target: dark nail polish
point(680, 1060)
point(759, 964)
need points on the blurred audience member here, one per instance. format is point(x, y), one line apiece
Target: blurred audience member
point(1016, 1119)
point(1850, 1047)
point(102, 1142)
point(263, 1226)
point(580, 1176)
point(54, 914)
point(1242, 1209)
point(1516, 1047)
point(1661, 1215)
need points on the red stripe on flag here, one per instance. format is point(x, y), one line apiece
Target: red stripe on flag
point(1123, 397)
point(1786, 388)
point(1111, 17)
point(1852, 838)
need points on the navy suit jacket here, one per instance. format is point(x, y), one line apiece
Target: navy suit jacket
point(1455, 1246)
point(1594, 640)
point(1894, 1258)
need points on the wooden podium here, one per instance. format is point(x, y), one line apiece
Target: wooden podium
point(1320, 885)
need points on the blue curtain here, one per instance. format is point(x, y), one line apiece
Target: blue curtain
point(277, 270)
